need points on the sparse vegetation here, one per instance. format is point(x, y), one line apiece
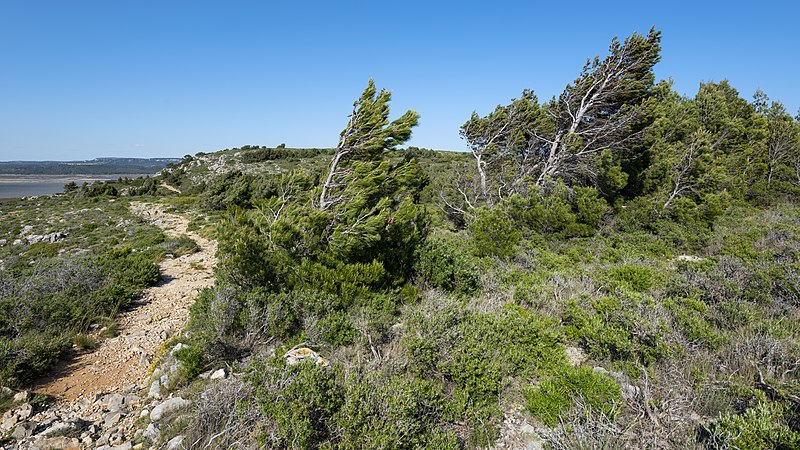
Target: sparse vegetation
point(52, 292)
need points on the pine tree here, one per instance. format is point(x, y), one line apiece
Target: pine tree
point(367, 135)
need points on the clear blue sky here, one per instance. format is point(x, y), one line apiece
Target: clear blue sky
point(85, 79)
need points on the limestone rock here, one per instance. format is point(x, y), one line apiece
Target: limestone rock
point(111, 419)
point(22, 431)
point(155, 390)
point(151, 432)
point(172, 404)
point(175, 443)
point(114, 402)
point(22, 397)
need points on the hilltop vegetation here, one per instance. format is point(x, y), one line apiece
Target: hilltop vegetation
point(618, 266)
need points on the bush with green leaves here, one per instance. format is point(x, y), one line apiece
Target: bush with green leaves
point(299, 403)
point(767, 425)
point(620, 328)
point(445, 262)
point(691, 317)
point(556, 396)
point(559, 210)
point(192, 361)
point(385, 410)
point(494, 234)
point(477, 354)
point(637, 278)
point(308, 406)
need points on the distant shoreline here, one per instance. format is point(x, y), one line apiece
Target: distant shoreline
point(14, 186)
point(16, 178)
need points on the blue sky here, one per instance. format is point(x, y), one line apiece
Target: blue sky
point(86, 79)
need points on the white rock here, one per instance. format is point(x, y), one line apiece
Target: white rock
point(22, 396)
point(175, 443)
point(172, 404)
point(151, 432)
point(218, 374)
point(111, 419)
point(22, 431)
point(58, 427)
point(155, 390)
point(115, 402)
point(24, 411)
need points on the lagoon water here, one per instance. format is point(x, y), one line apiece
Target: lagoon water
point(17, 186)
point(29, 188)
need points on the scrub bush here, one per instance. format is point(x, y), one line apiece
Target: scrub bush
point(554, 397)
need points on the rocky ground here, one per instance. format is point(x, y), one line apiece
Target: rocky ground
point(107, 397)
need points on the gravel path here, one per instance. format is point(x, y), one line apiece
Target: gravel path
point(122, 363)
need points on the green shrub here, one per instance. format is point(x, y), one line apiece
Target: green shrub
point(300, 402)
point(494, 234)
point(192, 361)
point(689, 315)
point(32, 354)
point(765, 426)
point(479, 351)
point(635, 277)
point(393, 411)
point(445, 262)
point(613, 327)
point(83, 341)
point(562, 211)
point(555, 396)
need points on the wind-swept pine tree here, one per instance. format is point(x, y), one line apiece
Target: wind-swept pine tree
point(368, 134)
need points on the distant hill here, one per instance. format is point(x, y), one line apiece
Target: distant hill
point(261, 160)
point(103, 166)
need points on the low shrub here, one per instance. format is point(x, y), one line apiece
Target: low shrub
point(767, 425)
point(555, 396)
point(299, 401)
point(192, 361)
point(690, 317)
point(445, 262)
point(494, 234)
point(621, 328)
point(638, 278)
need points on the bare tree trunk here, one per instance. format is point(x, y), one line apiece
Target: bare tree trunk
point(324, 203)
point(769, 174)
point(482, 173)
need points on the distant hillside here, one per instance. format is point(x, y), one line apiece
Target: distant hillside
point(89, 167)
point(259, 160)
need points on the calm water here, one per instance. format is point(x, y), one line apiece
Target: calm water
point(25, 189)
point(24, 186)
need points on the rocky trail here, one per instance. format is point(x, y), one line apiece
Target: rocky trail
point(99, 394)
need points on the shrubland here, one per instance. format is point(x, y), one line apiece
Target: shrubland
point(617, 264)
point(53, 292)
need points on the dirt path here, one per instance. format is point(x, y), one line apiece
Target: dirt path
point(121, 364)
